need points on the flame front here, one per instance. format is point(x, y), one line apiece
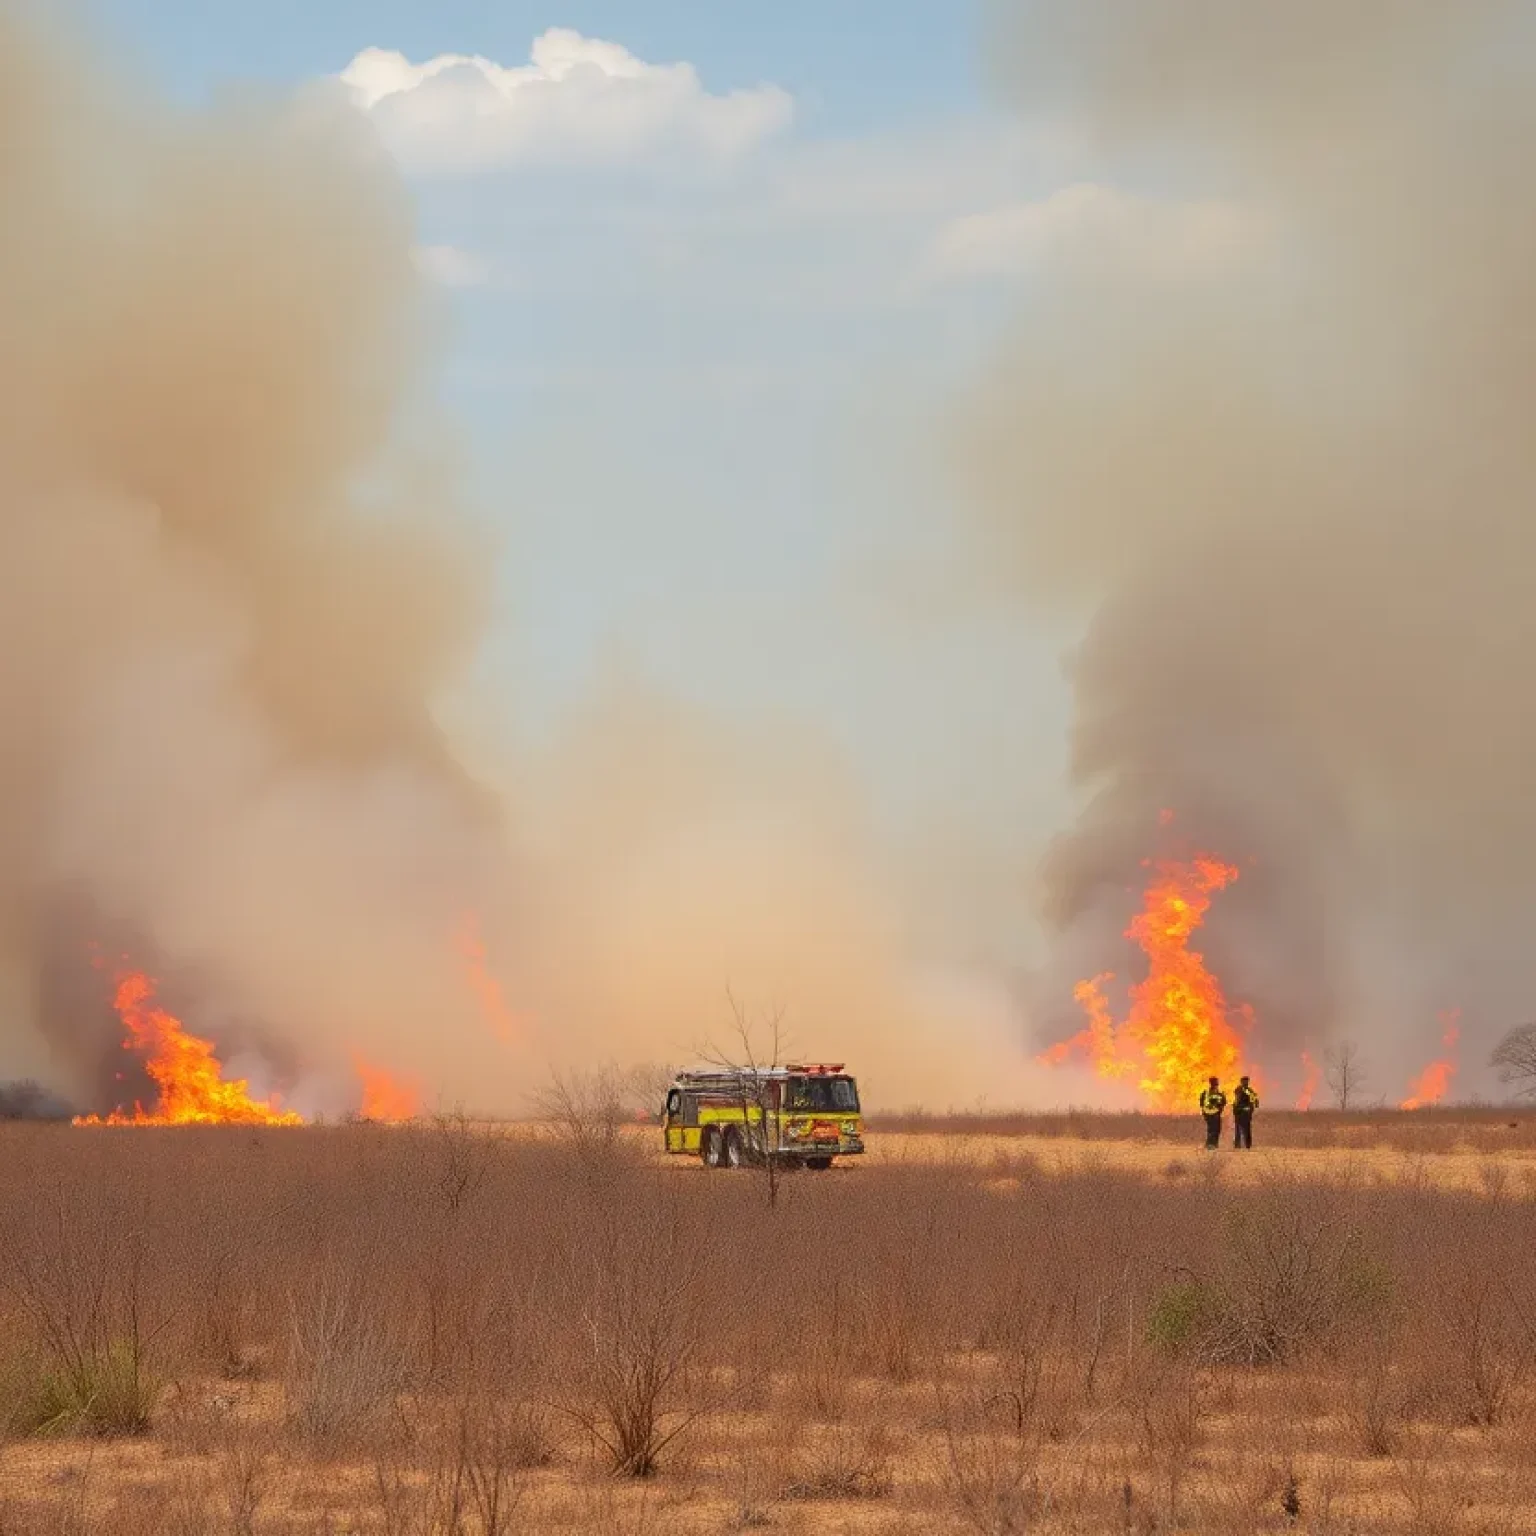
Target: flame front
point(1311, 1075)
point(1430, 1086)
point(191, 1081)
point(1178, 1033)
point(385, 1098)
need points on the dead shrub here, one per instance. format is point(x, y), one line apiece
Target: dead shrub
point(1377, 1400)
point(589, 1111)
point(1488, 1348)
point(457, 1473)
point(906, 1274)
point(345, 1367)
point(220, 1264)
point(246, 1473)
point(822, 1376)
point(188, 1511)
point(1022, 1338)
point(842, 1461)
point(1436, 1497)
point(221, 1328)
point(990, 1478)
point(894, 1331)
point(224, 1491)
point(616, 1510)
point(1290, 1274)
point(460, 1155)
point(637, 1292)
point(1168, 1406)
point(525, 1435)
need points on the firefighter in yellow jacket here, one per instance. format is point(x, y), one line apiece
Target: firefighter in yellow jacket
point(1212, 1103)
point(1244, 1101)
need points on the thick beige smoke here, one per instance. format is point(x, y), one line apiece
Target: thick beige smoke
point(226, 600)
point(229, 604)
point(671, 859)
point(1297, 490)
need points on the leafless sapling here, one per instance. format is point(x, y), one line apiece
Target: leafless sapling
point(758, 1046)
point(1345, 1072)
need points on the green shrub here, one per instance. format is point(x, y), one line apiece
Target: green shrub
point(1178, 1314)
point(111, 1393)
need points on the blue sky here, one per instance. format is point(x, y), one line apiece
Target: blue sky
point(856, 64)
point(704, 393)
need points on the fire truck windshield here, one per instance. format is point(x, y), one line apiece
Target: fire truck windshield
point(823, 1095)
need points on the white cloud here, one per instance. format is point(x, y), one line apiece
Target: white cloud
point(452, 266)
point(579, 100)
point(1091, 224)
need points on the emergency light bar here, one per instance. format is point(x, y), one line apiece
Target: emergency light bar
point(815, 1068)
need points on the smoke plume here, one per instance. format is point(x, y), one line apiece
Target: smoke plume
point(1294, 483)
point(228, 597)
point(237, 581)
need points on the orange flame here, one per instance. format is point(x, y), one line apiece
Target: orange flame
point(1178, 1032)
point(1098, 1041)
point(186, 1071)
point(492, 1004)
point(1311, 1074)
point(385, 1098)
point(1430, 1086)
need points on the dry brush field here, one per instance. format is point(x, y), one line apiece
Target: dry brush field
point(433, 1330)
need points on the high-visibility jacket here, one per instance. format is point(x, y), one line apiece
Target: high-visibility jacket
point(1244, 1101)
point(1212, 1101)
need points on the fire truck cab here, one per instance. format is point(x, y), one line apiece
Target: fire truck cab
point(805, 1114)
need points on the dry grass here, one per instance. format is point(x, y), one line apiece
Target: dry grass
point(1435, 1128)
point(434, 1331)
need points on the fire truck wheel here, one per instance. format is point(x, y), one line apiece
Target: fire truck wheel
point(735, 1152)
point(709, 1148)
point(819, 1164)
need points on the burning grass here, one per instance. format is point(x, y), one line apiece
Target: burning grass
point(433, 1330)
point(189, 1077)
point(192, 1087)
point(1180, 1027)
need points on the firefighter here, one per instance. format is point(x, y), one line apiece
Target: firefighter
point(1244, 1102)
point(1212, 1102)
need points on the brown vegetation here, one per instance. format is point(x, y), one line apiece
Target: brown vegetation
point(430, 1331)
point(1435, 1128)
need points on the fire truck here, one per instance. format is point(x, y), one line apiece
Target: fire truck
point(806, 1113)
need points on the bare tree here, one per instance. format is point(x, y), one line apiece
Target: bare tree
point(1345, 1071)
point(757, 1050)
point(1515, 1058)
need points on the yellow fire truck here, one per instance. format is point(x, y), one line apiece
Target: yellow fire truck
point(805, 1113)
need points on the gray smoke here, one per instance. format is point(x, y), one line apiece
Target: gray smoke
point(1294, 484)
point(29, 1100)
